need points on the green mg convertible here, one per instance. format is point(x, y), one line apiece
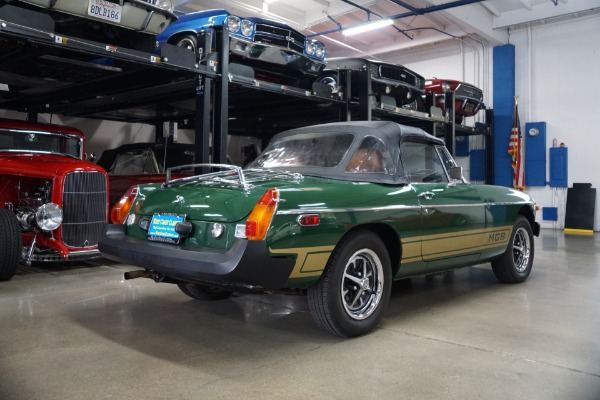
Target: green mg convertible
point(341, 210)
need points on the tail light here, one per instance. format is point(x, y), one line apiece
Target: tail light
point(119, 212)
point(260, 218)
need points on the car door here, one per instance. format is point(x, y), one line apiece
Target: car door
point(452, 212)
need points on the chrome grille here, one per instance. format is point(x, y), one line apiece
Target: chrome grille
point(278, 36)
point(84, 208)
point(469, 91)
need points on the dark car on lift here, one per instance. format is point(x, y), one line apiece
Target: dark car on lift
point(135, 163)
point(391, 85)
point(259, 48)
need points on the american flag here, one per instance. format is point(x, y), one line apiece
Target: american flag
point(516, 151)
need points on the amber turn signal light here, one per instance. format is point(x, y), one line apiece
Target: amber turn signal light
point(260, 218)
point(119, 212)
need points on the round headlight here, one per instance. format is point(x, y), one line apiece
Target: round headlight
point(310, 48)
point(217, 230)
point(233, 24)
point(49, 217)
point(246, 27)
point(165, 5)
point(445, 86)
point(320, 50)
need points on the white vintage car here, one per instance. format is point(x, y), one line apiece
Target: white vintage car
point(150, 16)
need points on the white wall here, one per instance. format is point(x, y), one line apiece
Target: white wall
point(565, 87)
point(565, 91)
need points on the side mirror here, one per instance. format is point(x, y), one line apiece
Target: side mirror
point(455, 173)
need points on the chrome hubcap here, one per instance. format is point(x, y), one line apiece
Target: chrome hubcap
point(362, 284)
point(330, 81)
point(187, 44)
point(521, 250)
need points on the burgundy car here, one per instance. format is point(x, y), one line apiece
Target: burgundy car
point(53, 204)
point(135, 163)
point(468, 99)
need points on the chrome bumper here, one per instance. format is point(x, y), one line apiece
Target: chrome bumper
point(269, 54)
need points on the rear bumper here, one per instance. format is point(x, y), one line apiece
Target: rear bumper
point(247, 264)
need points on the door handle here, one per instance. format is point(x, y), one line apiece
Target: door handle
point(426, 195)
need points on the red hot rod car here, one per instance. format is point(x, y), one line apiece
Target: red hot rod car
point(53, 204)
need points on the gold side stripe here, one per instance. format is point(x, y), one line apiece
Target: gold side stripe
point(467, 233)
point(433, 256)
point(411, 259)
point(311, 261)
point(464, 243)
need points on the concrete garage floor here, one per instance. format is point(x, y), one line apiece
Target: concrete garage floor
point(83, 332)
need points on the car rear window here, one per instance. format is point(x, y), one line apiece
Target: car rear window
point(323, 150)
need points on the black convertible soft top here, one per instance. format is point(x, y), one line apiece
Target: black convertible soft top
point(390, 133)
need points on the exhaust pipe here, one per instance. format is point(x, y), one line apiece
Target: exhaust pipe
point(155, 276)
point(139, 274)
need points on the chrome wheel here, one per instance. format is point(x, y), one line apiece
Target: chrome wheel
point(362, 284)
point(330, 81)
point(514, 265)
point(521, 250)
point(187, 42)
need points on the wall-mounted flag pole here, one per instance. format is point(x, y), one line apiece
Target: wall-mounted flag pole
point(516, 151)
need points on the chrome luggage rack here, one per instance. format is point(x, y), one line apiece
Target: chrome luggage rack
point(227, 171)
point(225, 175)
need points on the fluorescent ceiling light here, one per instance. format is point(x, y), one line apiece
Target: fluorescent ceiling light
point(367, 27)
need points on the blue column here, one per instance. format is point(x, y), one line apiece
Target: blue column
point(504, 92)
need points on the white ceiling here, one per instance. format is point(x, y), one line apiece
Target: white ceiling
point(487, 21)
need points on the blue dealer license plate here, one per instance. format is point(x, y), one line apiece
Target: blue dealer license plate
point(162, 228)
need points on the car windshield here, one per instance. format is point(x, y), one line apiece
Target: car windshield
point(40, 142)
point(306, 150)
point(134, 162)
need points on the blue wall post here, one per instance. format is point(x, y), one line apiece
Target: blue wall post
point(504, 100)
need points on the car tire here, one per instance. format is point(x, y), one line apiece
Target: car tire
point(205, 293)
point(514, 266)
point(188, 42)
point(10, 244)
point(329, 79)
point(337, 303)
